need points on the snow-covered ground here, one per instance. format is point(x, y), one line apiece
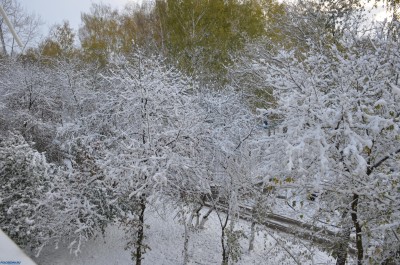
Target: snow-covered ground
point(165, 238)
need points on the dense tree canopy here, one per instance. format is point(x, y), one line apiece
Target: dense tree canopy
point(201, 35)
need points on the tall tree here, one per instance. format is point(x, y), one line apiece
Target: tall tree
point(139, 28)
point(60, 42)
point(200, 35)
point(99, 34)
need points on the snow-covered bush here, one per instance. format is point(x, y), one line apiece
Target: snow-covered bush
point(26, 179)
point(42, 204)
point(35, 101)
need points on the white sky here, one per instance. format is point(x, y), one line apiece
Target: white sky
point(55, 11)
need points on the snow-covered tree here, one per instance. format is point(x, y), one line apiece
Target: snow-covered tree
point(234, 163)
point(36, 99)
point(142, 132)
point(340, 110)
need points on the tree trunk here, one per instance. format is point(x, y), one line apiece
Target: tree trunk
point(224, 250)
point(142, 204)
point(3, 44)
point(343, 244)
point(252, 236)
point(186, 244)
point(205, 218)
point(225, 253)
point(197, 214)
point(140, 232)
point(354, 217)
point(341, 250)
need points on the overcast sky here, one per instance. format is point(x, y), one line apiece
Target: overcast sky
point(55, 11)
